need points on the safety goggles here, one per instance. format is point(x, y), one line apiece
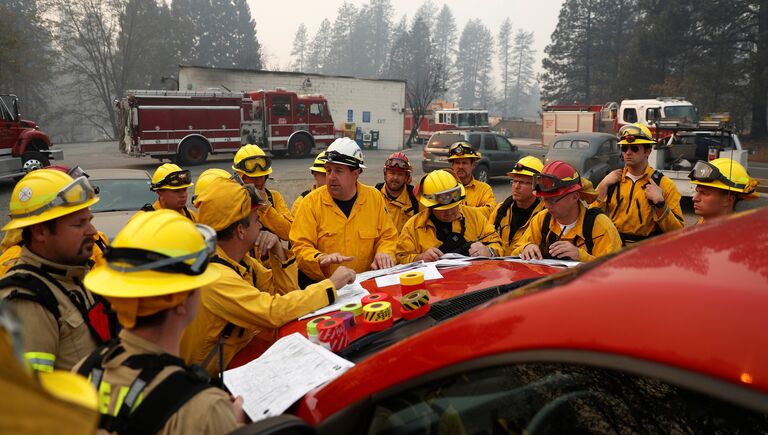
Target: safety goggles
point(631, 133)
point(549, 183)
point(337, 157)
point(462, 150)
point(707, 172)
point(174, 179)
point(77, 171)
point(139, 260)
point(397, 164)
point(634, 148)
point(446, 196)
point(520, 168)
point(254, 163)
point(77, 192)
point(256, 198)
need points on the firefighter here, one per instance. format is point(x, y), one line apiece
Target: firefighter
point(397, 190)
point(11, 243)
point(153, 275)
point(640, 201)
point(511, 217)
point(248, 299)
point(720, 184)
point(171, 183)
point(567, 229)
point(344, 221)
point(463, 159)
point(318, 173)
point(39, 402)
point(254, 166)
point(63, 322)
point(446, 225)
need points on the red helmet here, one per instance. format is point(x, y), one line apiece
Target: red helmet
point(398, 161)
point(557, 179)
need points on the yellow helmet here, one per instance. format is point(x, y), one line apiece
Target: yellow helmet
point(155, 254)
point(441, 190)
point(528, 165)
point(226, 202)
point(47, 194)
point(170, 176)
point(319, 164)
point(251, 160)
point(725, 174)
point(205, 179)
point(636, 133)
point(462, 150)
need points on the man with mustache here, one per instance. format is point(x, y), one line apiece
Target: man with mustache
point(463, 159)
point(63, 322)
point(397, 189)
point(171, 183)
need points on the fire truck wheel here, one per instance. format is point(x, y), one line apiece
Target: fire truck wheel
point(193, 152)
point(34, 159)
point(300, 146)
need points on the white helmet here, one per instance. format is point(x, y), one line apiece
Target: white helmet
point(345, 151)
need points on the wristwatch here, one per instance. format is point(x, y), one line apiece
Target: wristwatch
point(661, 204)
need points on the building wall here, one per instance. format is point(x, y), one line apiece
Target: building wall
point(383, 99)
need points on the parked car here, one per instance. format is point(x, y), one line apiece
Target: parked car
point(594, 155)
point(122, 192)
point(658, 338)
point(499, 156)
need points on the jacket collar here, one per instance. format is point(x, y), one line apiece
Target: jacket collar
point(58, 271)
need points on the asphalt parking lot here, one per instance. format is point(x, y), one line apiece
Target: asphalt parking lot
point(289, 176)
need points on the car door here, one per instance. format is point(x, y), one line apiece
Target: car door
point(490, 151)
point(508, 154)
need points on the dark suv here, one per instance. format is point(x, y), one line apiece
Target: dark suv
point(499, 156)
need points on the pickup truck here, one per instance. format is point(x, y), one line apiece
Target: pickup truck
point(676, 153)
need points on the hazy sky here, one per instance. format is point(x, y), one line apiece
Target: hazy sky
point(277, 21)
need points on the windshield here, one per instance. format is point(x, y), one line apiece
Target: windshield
point(444, 140)
point(682, 113)
point(122, 195)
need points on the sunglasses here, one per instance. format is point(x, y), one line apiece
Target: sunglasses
point(141, 259)
point(550, 183)
point(634, 148)
point(445, 197)
point(397, 164)
point(460, 150)
point(254, 163)
point(520, 168)
point(174, 179)
point(77, 192)
point(707, 172)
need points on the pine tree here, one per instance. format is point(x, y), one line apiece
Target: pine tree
point(504, 41)
point(473, 66)
point(299, 51)
point(523, 57)
point(340, 55)
point(246, 50)
point(445, 35)
point(317, 60)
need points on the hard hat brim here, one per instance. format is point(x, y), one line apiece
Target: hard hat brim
point(69, 387)
point(105, 281)
point(53, 213)
point(722, 186)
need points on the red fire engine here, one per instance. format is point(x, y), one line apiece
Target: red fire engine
point(447, 119)
point(187, 125)
point(23, 146)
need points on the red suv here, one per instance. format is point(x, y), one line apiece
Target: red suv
point(668, 336)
